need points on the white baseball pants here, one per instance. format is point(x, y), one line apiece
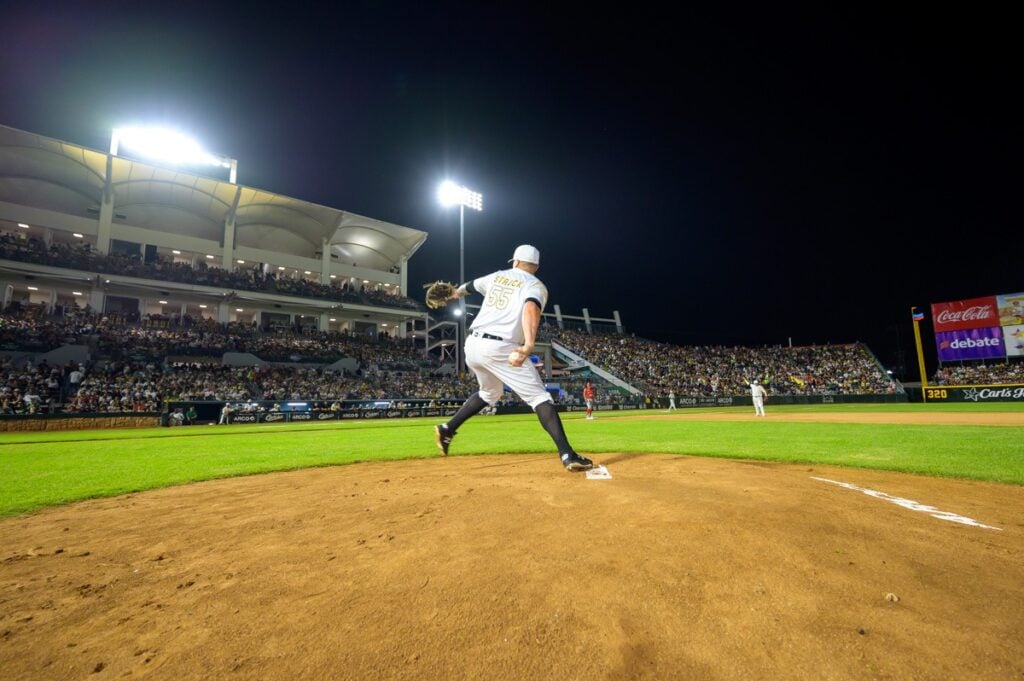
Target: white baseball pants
point(489, 361)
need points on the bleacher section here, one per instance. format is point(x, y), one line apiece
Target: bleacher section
point(142, 365)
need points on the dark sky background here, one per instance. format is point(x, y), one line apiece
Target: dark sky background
point(732, 178)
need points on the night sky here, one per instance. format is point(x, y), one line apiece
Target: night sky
point(731, 178)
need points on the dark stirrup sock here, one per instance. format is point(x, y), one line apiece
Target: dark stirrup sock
point(548, 416)
point(471, 407)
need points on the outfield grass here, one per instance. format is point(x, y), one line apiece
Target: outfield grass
point(45, 469)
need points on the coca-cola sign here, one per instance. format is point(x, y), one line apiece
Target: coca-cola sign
point(975, 313)
point(970, 344)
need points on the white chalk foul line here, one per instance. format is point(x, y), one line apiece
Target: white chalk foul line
point(912, 505)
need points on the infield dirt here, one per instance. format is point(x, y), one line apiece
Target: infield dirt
point(506, 567)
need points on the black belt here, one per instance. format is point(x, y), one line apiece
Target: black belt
point(488, 336)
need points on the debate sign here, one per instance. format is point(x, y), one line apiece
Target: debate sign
point(970, 344)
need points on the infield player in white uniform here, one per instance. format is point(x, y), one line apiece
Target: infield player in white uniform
point(758, 392)
point(507, 323)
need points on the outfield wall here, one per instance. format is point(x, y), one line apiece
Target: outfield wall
point(54, 422)
point(974, 393)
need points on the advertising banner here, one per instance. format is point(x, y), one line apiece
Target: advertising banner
point(1013, 339)
point(970, 344)
point(1011, 309)
point(974, 313)
point(976, 393)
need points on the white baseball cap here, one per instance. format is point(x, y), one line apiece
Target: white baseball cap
point(527, 253)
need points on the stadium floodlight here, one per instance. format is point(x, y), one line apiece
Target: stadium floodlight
point(453, 194)
point(169, 146)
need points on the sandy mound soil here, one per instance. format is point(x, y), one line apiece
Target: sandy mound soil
point(508, 567)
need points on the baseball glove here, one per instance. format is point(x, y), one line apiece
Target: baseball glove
point(439, 294)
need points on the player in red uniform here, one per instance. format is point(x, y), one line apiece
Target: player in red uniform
point(588, 397)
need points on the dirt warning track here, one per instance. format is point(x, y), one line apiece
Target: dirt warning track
point(507, 567)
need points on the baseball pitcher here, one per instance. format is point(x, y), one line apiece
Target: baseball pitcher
point(498, 346)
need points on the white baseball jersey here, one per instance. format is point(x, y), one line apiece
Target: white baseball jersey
point(757, 391)
point(505, 292)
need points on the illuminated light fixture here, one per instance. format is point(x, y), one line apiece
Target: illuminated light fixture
point(203, 306)
point(280, 268)
point(162, 302)
point(77, 235)
point(307, 272)
point(334, 276)
point(106, 281)
point(176, 252)
point(76, 293)
point(240, 262)
point(209, 257)
point(457, 312)
point(22, 225)
point(333, 319)
point(383, 324)
point(167, 145)
point(366, 281)
point(451, 194)
point(33, 288)
point(238, 309)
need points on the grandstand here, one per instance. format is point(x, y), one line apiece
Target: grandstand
point(86, 229)
point(129, 287)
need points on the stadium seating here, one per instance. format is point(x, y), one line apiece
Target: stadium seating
point(140, 364)
point(1003, 373)
point(82, 257)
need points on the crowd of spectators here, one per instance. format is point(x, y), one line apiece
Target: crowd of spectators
point(83, 257)
point(658, 368)
point(32, 389)
point(141, 366)
point(1005, 373)
point(367, 383)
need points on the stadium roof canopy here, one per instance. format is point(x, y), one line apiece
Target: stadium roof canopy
point(58, 176)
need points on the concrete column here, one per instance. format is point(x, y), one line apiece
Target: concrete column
point(53, 300)
point(103, 228)
point(96, 300)
point(106, 210)
point(404, 271)
point(325, 263)
point(618, 322)
point(8, 295)
point(228, 257)
point(586, 320)
point(325, 321)
point(558, 317)
point(223, 313)
point(227, 260)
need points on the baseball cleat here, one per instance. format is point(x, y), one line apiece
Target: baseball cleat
point(443, 438)
point(574, 462)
